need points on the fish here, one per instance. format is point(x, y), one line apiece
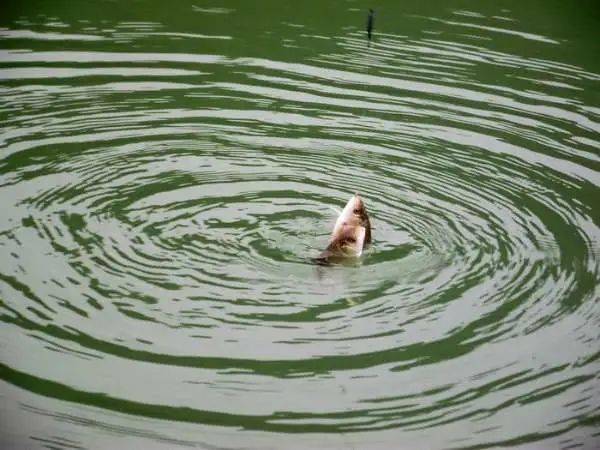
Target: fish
point(351, 233)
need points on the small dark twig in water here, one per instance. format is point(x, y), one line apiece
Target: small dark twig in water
point(370, 20)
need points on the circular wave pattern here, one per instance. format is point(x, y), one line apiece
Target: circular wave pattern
point(161, 227)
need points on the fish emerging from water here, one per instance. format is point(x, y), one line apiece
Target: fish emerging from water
point(351, 233)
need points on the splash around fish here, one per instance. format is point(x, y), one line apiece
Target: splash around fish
point(350, 236)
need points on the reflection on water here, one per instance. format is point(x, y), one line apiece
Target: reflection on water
point(167, 176)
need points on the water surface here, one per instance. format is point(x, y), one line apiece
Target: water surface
point(167, 172)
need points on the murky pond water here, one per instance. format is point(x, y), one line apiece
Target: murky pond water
point(167, 172)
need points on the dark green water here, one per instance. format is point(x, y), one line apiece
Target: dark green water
point(168, 169)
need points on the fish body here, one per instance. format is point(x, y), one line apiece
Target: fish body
point(351, 233)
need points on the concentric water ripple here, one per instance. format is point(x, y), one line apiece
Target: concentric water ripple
point(165, 190)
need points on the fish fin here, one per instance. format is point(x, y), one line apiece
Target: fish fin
point(360, 239)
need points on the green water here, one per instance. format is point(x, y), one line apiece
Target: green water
point(169, 170)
